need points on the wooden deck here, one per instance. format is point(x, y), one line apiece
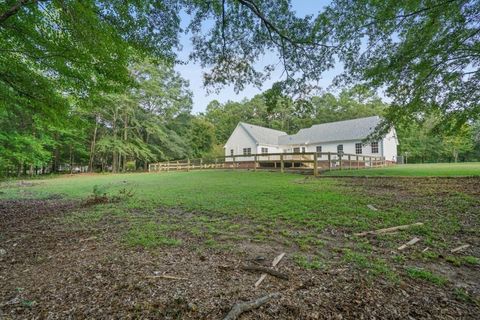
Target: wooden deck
point(307, 162)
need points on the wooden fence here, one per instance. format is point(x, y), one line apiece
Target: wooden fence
point(313, 162)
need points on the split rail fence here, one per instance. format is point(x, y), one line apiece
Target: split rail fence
point(312, 162)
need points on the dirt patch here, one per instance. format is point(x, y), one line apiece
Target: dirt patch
point(49, 270)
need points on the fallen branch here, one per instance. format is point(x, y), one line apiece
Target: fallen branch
point(266, 270)
point(88, 239)
point(274, 263)
point(242, 307)
point(409, 243)
point(465, 246)
point(163, 276)
point(387, 230)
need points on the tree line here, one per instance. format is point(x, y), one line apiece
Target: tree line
point(76, 77)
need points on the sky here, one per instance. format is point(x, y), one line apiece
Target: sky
point(193, 72)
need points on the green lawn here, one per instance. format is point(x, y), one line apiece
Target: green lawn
point(261, 196)
point(314, 220)
point(416, 170)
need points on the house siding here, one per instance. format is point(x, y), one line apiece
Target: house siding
point(241, 138)
point(238, 140)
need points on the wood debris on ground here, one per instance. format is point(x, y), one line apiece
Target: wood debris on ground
point(242, 307)
point(388, 230)
point(371, 207)
point(409, 243)
point(267, 270)
point(460, 248)
point(274, 264)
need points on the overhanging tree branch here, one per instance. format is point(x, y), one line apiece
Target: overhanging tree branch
point(14, 9)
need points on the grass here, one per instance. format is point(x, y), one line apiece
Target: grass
point(220, 209)
point(260, 196)
point(416, 170)
point(150, 235)
point(418, 273)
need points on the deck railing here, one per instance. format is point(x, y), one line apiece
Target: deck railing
point(302, 161)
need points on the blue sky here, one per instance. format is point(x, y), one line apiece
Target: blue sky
point(193, 72)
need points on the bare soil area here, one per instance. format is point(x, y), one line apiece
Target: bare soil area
point(49, 269)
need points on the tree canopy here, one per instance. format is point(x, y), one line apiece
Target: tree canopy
point(93, 80)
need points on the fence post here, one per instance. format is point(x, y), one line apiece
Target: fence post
point(282, 164)
point(315, 164)
point(168, 165)
point(371, 163)
point(349, 162)
point(358, 163)
point(255, 163)
point(329, 161)
point(188, 164)
point(341, 162)
point(233, 162)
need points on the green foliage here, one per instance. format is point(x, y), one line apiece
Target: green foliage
point(422, 54)
point(276, 110)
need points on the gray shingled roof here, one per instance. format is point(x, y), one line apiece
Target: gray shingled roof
point(263, 135)
point(355, 129)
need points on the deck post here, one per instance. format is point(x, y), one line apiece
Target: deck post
point(233, 162)
point(255, 163)
point(371, 163)
point(282, 165)
point(341, 162)
point(349, 162)
point(315, 164)
point(358, 162)
point(329, 161)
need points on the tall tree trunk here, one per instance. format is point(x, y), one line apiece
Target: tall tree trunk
point(125, 137)
point(71, 160)
point(114, 153)
point(56, 155)
point(92, 147)
point(145, 165)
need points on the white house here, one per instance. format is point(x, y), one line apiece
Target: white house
point(342, 136)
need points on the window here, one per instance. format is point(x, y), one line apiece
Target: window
point(374, 146)
point(231, 152)
point(296, 150)
point(264, 150)
point(358, 148)
point(303, 149)
point(340, 148)
point(319, 150)
point(247, 151)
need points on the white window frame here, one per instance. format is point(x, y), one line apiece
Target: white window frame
point(247, 151)
point(358, 150)
point(264, 150)
point(296, 150)
point(374, 147)
point(340, 148)
point(319, 150)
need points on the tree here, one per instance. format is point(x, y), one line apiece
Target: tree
point(423, 54)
